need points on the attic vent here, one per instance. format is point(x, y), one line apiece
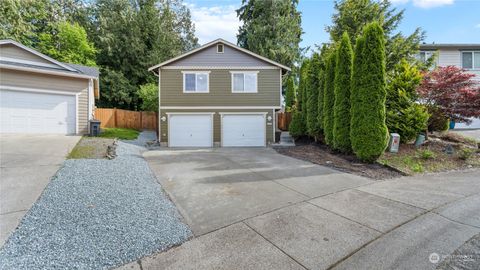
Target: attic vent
point(219, 48)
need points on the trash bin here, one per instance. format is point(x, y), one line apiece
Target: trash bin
point(94, 127)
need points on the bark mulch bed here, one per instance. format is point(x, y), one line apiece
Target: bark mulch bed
point(323, 155)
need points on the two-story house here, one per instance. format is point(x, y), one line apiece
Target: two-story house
point(466, 56)
point(218, 95)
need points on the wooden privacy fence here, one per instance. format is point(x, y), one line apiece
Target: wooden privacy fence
point(117, 118)
point(284, 119)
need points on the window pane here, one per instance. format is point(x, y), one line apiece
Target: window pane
point(421, 56)
point(467, 60)
point(250, 82)
point(189, 82)
point(202, 85)
point(238, 82)
point(476, 60)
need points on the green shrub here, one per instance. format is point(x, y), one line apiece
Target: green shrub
point(427, 154)
point(297, 125)
point(368, 130)
point(341, 109)
point(437, 121)
point(404, 115)
point(465, 153)
point(149, 95)
point(302, 81)
point(329, 98)
point(313, 83)
point(290, 94)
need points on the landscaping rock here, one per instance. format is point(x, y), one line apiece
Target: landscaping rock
point(96, 214)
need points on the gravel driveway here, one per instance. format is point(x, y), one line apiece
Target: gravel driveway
point(96, 214)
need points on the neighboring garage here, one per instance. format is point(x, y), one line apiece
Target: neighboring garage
point(27, 112)
point(41, 95)
point(218, 128)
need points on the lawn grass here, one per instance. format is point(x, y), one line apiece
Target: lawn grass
point(120, 133)
point(81, 151)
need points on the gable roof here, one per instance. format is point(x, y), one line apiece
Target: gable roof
point(225, 43)
point(58, 67)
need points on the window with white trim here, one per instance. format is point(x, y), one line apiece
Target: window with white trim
point(219, 48)
point(195, 82)
point(244, 82)
point(425, 55)
point(471, 60)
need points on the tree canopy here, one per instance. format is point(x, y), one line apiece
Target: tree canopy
point(271, 28)
point(352, 15)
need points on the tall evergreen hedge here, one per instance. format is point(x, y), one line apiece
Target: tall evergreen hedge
point(341, 109)
point(312, 77)
point(329, 98)
point(368, 132)
point(321, 88)
point(290, 93)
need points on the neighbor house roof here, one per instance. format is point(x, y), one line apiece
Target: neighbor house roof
point(56, 67)
point(225, 43)
point(465, 46)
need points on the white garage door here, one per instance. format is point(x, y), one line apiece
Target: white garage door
point(243, 130)
point(190, 130)
point(27, 112)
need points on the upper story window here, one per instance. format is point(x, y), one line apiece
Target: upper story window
point(471, 60)
point(219, 48)
point(195, 82)
point(244, 81)
point(425, 55)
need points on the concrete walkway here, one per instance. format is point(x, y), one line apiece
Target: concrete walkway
point(256, 209)
point(26, 164)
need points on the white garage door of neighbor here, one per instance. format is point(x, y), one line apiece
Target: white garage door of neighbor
point(190, 130)
point(28, 112)
point(243, 130)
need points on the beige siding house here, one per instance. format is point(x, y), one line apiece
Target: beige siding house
point(218, 95)
point(466, 56)
point(41, 95)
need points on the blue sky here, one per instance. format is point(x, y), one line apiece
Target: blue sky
point(445, 21)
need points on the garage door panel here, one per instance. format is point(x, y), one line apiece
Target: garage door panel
point(28, 112)
point(190, 130)
point(243, 130)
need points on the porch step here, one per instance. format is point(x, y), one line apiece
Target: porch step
point(286, 139)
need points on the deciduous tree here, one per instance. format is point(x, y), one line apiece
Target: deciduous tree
point(452, 92)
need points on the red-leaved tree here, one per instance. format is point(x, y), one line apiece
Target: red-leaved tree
point(452, 91)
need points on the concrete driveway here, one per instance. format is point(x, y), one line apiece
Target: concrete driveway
point(26, 164)
point(256, 209)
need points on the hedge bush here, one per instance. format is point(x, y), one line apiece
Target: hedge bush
point(341, 109)
point(368, 131)
point(312, 76)
point(404, 115)
point(329, 98)
point(297, 125)
point(290, 94)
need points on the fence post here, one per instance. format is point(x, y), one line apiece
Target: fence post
point(114, 117)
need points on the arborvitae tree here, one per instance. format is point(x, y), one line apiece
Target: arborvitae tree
point(313, 72)
point(297, 126)
point(301, 99)
point(321, 89)
point(329, 98)
point(290, 94)
point(368, 132)
point(341, 111)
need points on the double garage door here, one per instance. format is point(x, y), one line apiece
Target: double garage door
point(197, 130)
point(32, 112)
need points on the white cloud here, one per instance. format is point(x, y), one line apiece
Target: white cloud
point(215, 22)
point(425, 3)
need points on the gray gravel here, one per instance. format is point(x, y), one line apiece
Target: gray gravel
point(96, 214)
